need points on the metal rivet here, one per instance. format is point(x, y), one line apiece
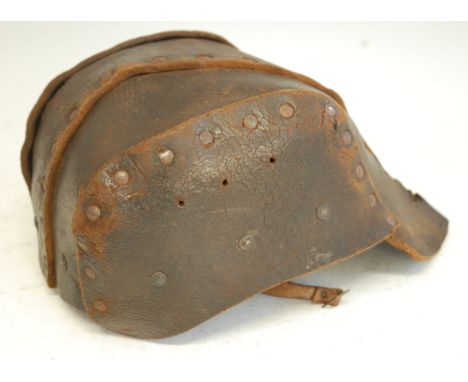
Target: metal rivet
point(391, 220)
point(323, 212)
point(247, 242)
point(121, 177)
point(63, 263)
point(359, 171)
point(323, 295)
point(206, 138)
point(372, 200)
point(347, 138)
point(217, 131)
point(158, 279)
point(93, 213)
point(250, 121)
point(90, 273)
point(100, 306)
point(286, 110)
point(166, 156)
point(330, 110)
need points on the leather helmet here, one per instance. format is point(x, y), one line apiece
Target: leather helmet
point(174, 176)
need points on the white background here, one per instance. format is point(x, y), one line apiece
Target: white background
point(406, 87)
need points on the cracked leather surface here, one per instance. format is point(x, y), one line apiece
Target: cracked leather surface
point(265, 178)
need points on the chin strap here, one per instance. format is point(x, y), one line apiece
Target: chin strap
point(318, 295)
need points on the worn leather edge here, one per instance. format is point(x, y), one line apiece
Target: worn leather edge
point(58, 81)
point(403, 246)
point(337, 261)
point(123, 73)
point(325, 266)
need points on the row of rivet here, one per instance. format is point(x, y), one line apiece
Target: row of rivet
point(93, 213)
point(246, 242)
point(346, 136)
point(347, 139)
point(121, 178)
point(166, 156)
point(157, 279)
point(250, 121)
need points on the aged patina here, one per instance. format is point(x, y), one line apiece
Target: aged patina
point(174, 176)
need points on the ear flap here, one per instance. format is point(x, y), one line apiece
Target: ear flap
point(254, 194)
point(422, 229)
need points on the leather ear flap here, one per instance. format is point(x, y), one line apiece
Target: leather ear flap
point(255, 193)
point(421, 229)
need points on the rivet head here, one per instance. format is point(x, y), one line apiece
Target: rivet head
point(166, 156)
point(158, 279)
point(217, 131)
point(347, 137)
point(250, 121)
point(93, 213)
point(286, 110)
point(391, 220)
point(372, 200)
point(323, 212)
point(90, 273)
point(63, 263)
point(206, 138)
point(100, 306)
point(121, 177)
point(330, 110)
point(247, 242)
point(359, 171)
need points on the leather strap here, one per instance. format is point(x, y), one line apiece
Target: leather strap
point(316, 294)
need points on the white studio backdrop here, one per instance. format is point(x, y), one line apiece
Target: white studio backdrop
point(406, 87)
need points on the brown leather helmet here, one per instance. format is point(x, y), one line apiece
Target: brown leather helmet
point(174, 176)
